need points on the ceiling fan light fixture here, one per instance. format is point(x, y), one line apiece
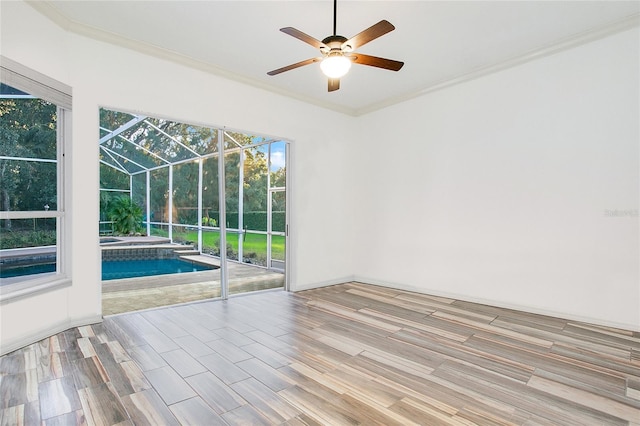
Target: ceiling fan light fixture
point(335, 66)
point(336, 51)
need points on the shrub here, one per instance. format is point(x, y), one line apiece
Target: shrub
point(125, 215)
point(255, 221)
point(27, 238)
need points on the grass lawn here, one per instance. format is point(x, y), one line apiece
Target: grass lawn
point(252, 243)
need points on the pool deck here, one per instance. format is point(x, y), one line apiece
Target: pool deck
point(134, 294)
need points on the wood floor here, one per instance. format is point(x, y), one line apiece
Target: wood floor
point(342, 355)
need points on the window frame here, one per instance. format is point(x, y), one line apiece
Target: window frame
point(43, 87)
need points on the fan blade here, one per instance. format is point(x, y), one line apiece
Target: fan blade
point(304, 37)
point(371, 33)
point(374, 61)
point(334, 84)
point(294, 66)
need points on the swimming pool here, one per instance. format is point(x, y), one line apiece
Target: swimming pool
point(117, 269)
point(20, 270)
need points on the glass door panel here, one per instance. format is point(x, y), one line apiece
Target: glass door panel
point(277, 233)
point(248, 189)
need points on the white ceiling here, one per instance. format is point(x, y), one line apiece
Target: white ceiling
point(441, 42)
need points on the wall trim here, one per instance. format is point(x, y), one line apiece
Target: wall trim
point(29, 288)
point(53, 329)
point(310, 286)
point(497, 304)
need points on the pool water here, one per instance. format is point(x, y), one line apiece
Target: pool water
point(117, 269)
point(18, 271)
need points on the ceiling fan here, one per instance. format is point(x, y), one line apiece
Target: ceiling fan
point(338, 51)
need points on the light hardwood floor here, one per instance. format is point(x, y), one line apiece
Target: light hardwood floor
point(346, 354)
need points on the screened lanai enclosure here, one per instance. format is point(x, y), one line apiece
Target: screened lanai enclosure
point(210, 200)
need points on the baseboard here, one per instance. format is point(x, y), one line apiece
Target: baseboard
point(489, 302)
point(311, 286)
point(59, 327)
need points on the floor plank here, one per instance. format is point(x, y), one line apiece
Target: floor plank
point(171, 387)
point(147, 408)
point(57, 397)
point(101, 405)
point(215, 392)
point(195, 411)
point(183, 363)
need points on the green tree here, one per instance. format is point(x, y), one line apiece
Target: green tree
point(112, 178)
point(27, 130)
point(232, 178)
point(159, 188)
point(255, 180)
point(210, 193)
point(279, 178)
point(185, 193)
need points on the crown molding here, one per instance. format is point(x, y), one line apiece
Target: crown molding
point(566, 43)
point(88, 31)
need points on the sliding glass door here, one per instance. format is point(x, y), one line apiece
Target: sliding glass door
point(210, 195)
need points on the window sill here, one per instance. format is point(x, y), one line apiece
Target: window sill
point(19, 290)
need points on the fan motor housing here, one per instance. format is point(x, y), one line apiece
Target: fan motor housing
point(334, 42)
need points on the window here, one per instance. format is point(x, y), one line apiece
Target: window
point(33, 132)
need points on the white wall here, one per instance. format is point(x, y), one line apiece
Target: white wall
point(106, 75)
point(493, 190)
point(497, 190)
point(24, 320)
point(131, 81)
